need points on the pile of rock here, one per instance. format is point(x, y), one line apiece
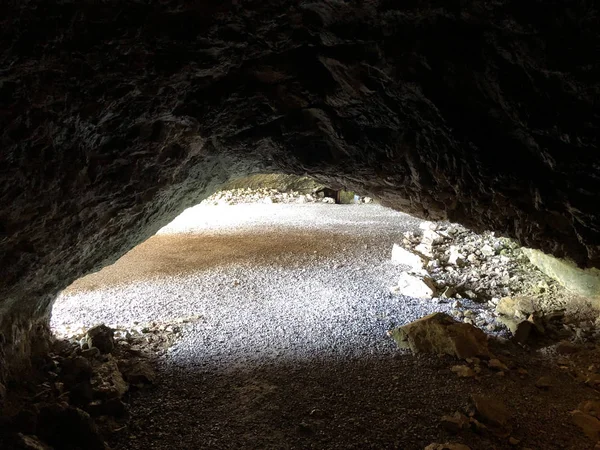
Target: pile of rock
point(77, 400)
point(265, 195)
point(457, 263)
point(268, 195)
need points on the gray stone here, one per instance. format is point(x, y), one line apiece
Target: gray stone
point(543, 383)
point(413, 286)
point(487, 250)
point(584, 282)
point(516, 306)
point(108, 381)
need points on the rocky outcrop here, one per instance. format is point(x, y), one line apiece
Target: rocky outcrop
point(584, 282)
point(115, 116)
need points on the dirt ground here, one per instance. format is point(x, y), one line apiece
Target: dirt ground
point(360, 392)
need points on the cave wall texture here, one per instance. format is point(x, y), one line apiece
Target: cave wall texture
point(115, 116)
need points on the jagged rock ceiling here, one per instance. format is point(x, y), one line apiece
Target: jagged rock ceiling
point(114, 116)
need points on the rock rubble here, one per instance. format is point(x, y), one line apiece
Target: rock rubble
point(80, 391)
point(270, 195)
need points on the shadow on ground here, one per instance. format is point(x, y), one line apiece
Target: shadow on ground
point(372, 402)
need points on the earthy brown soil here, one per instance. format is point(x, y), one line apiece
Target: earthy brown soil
point(185, 253)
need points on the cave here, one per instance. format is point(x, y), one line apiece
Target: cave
point(116, 117)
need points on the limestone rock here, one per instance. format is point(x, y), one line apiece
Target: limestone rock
point(585, 282)
point(108, 381)
point(101, 337)
point(521, 329)
point(75, 370)
point(439, 333)
point(516, 306)
point(456, 257)
point(404, 257)
point(491, 410)
point(567, 348)
point(413, 286)
point(589, 425)
point(513, 441)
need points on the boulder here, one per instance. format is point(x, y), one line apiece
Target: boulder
point(75, 370)
point(108, 381)
point(440, 333)
point(413, 286)
point(516, 306)
point(520, 329)
point(544, 383)
point(101, 337)
point(591, 407)
point(463, 371)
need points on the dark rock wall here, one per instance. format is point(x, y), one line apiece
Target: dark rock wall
point(114, 116)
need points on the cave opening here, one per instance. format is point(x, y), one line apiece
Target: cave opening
point(265, 317)
point(115, 116)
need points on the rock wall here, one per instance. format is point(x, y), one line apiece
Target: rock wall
point(115, 116)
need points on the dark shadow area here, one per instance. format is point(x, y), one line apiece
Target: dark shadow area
point(371, 402)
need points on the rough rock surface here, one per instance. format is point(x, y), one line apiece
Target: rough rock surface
point(581, 281)
point(440, 333)
point(115, 116)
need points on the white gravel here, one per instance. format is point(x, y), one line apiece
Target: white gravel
point(273, 306)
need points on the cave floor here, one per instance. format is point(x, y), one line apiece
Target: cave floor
point(284, 343)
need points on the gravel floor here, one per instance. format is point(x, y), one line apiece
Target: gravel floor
point(288, 345)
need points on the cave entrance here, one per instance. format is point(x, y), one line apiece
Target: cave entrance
point(265, 315)
point(256, 273)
